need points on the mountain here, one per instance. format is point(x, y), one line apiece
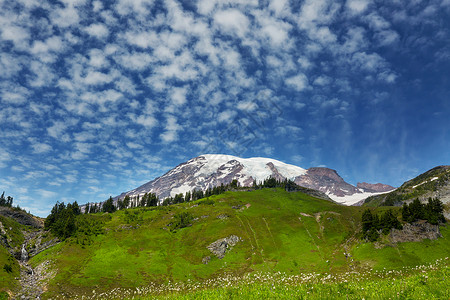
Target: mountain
point(434, 183)
point(209, 170)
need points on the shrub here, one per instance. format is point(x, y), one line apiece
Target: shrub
point(206, 201)
point(181, 220)
point(7, 268)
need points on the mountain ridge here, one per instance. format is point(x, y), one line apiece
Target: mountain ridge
point(434, 183)
point(210, 170)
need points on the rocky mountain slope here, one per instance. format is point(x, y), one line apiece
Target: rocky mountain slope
point(209, 170)
point(434, 183)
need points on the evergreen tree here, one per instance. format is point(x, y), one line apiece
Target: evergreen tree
point(126, 201)
point(120, 204)
point(367, 220)
point(144, 200)
point(76, 208)
point(416, 210)
point(187, 196)
point(108, 206)
point(406, 214)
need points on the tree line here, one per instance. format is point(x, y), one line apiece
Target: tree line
point(373, 224)
point(151, 199)
point(61, 220)
point(433, 211)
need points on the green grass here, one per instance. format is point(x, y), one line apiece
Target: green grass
point(422, 282)
point(433, 284)
point(291, 233)
point(7, 281)
point(14, 234)
point(404, 254)
point(13, 231)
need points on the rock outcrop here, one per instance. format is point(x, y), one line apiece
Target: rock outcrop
point(221, 246)
point(21, 217)
point(415, 232)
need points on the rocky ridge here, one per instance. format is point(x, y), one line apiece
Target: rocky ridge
point(210, 170)
point(434, 183)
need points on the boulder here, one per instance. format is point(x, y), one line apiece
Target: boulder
point(221, 246)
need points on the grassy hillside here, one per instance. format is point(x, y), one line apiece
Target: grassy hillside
point(11, 238)
point(291, 233)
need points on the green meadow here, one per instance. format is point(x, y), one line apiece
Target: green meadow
point(281, 232)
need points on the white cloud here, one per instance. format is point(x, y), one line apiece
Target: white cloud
point(97, 58)
point(232, 21)
point(97, 78)
point(136, 61)
point(142, 39)
point(4, 158)
point(357, 7)
point(146, 121)
point(322, 80)
point(324, 35)
point(377, 22)
point(84, 136)
point(304, 62)
point(133, 145)
point(10, 65)
point(169, 137)
point(226, 116)
point(178, 96)
point(57, 129)
point(298, 82)
point(247, 106)
point(317, 12)
point(65, 17)
point(355, 39)
point(388, 77)
point(39, 148)
point(43, 74)
point(172, 128)
point(97, 6)
point(368, 62)
point(205, 6)
point(83, 147)
point(98, 30)
point(14, 97)
point(280, 7)
point(18, 35)
point(387, 37)
point(139, 7)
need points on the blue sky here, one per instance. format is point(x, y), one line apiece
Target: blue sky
point(98, 97)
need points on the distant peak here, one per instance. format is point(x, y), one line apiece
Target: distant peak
point(376, 188)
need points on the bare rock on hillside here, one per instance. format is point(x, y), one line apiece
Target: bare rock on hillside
point(21, 217)
point(415, 232)
point(221, 246)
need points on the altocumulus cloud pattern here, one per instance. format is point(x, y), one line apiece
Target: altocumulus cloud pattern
point(97, 97)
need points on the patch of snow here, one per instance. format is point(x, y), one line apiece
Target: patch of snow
point(352, 199)
point(255, 166)
point(180, 190)
point(432, 179)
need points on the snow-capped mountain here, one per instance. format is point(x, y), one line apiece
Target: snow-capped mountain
point(209, 170)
